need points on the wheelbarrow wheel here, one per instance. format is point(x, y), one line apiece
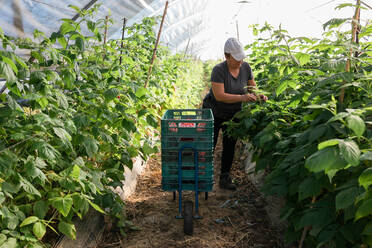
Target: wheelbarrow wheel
point(188, 225)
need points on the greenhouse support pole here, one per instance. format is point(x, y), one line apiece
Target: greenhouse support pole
point(354, 31)
point(187, 47)
point(156, 44)
point(85, 8)
point(122, 39)
point(17, 18)
point(105, 37)
point(106, 24)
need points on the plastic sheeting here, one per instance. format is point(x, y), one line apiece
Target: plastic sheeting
point(198, 27)
point(183, 20)
point(46, 15)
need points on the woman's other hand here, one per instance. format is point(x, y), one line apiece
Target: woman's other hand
point(249, 98)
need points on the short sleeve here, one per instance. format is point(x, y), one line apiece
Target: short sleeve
point(250, 74)
point(217, 75)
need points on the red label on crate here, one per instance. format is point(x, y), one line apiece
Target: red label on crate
point(187, 124)
point(200, 127)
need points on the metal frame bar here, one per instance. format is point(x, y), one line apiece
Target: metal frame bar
point(196, 162)
point(85, 8)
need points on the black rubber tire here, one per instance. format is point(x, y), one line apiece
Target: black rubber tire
point(188, 225)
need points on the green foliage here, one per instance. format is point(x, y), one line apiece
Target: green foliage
point(316, 150)
point(86, 117)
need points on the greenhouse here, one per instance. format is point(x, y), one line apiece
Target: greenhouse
point(186, 123)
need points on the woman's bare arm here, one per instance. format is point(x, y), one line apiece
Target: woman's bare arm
point(221, 96)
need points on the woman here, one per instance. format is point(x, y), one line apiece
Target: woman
point(230, 82)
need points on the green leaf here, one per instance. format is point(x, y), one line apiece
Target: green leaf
point(62, 204)
point(29, 220)
point(142, 112)
point(79, 161)
point(327, 143)
point(76, 8)
point(62, 41)
point(43, 102)
point(349, 151)
point(46, 151)
point(346, 198)
point(11, 64)
point(39, 230)
point(364, 210)
point(365, 179)
point(152, 121)
point(91, 146)
point(343, 5)
point(366, 156)
point(2, 238)
point(368, 229)
point(13, 104)
point(356, 124)
point(29, 188)
point(68, 77)
point(62, 133)
point(79, 42)
point(11, 221)
point(67, 229)
point(96, 207)
point(111, 94)
point(147, 149)
point(66, 27)
point(316, 217)
point(10, 243)
point(62, 100)
point(128, 124)
point(75, 173)
point(339, 116)
point(334, 65)
point(141, 91)
point(81, 203)
point(303, 58)
point(91, 26)
point(40, 209)
point(106, 137)
point(40, 163)
point(325, 159)
point(309, 187)
point(10, 188)
point(7, 72)
point(281, 87)
point(335, 22)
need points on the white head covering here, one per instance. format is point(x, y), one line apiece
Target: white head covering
point(235, 48)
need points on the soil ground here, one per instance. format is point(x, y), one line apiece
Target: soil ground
point(230, 218)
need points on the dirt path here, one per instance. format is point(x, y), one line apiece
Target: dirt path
point(230, 218)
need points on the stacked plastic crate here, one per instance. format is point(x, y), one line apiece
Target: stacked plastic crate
point(187, 128)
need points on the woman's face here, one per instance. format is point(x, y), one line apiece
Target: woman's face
point(232, 63)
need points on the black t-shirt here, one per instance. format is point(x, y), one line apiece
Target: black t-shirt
point(238, 86)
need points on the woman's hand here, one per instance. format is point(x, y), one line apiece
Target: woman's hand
point(249, 98)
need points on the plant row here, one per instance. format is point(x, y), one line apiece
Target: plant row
point(313, 138)
point(74, 115)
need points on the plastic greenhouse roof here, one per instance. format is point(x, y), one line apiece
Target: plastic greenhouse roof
point(198, 27)
point(183, 18)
